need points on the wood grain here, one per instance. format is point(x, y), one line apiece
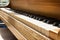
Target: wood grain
point(15, 32)
point(50, 8)
point(45, 29)
point(26, 31)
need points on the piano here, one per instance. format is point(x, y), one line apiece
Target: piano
point(33, 19)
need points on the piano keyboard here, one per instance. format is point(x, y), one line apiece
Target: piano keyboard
point(42, 24)
point(28, 32)
point(52, 21)
point(47, 20)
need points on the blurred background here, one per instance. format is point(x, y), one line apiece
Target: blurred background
point(4, 3)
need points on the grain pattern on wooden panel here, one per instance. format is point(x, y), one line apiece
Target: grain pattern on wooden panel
point(31, 23)
point(55, 31)
point(39, 28)
point(50, 8)
point(15, 32)
point(26, 31)
point(52, 34)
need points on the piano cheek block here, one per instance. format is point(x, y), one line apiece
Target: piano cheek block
point(55, 34)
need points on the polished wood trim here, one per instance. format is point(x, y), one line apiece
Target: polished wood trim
point(27, 32)
point(15, 32)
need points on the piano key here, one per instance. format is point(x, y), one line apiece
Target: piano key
point(26, 14)
point(58, 25)
point(31, 16)
point(55, 24)
point(37, 18)
point(41, 19)
point(50, 21)
point(45, 20)
point(23, 13)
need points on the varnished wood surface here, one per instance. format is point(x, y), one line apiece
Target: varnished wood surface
point(48, 30)
point(26, 31)
point(54, 33)
point(50, 8)
point(15, 32)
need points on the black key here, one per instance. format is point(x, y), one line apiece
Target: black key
point(51, 21)
point(32, 16)
point(59, 25)
point(37, 18)
point(55, 24)
point(40, 19)
point(29, 15)
point(17, 11)
point(45, 20)
point(25, 14)
point(58, 22)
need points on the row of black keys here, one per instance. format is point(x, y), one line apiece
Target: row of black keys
point(47, 20)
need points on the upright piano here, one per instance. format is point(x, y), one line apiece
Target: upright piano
point(33, 19)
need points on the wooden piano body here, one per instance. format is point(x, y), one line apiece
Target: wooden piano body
point(49, 8)
point(25, 28)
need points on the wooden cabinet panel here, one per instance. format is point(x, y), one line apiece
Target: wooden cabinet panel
point(49, 8)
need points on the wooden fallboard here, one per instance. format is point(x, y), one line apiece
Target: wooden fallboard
point(50, 8)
